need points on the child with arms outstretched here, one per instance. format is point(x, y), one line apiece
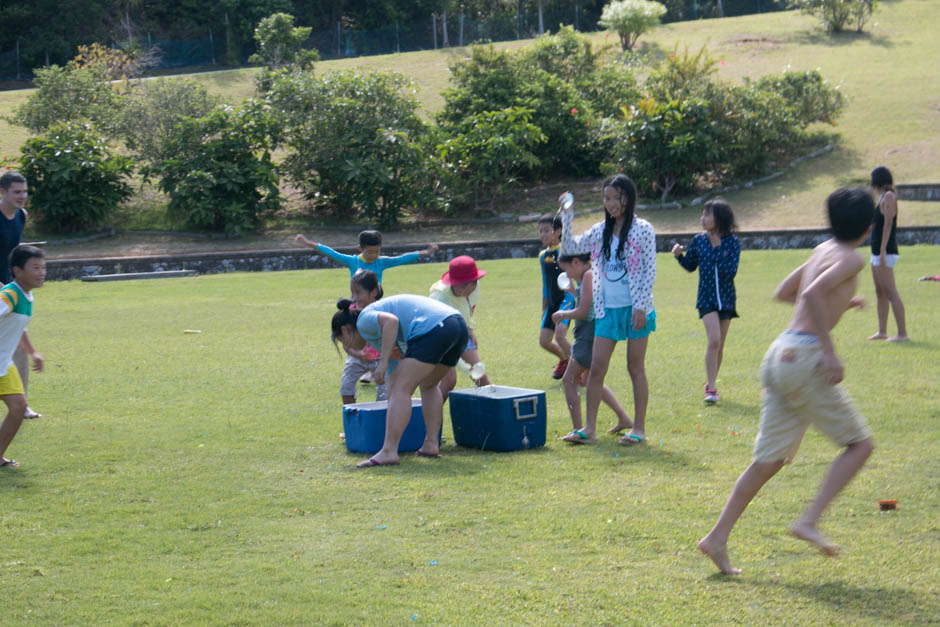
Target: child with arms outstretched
point(800, 376)
point(578, 268)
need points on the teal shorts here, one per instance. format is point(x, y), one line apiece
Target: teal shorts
point(617, 324)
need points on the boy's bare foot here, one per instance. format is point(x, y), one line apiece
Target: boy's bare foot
point(719, 555)
point(621, 425)
point(899, 338)
point(878, 336)
point(811, 534)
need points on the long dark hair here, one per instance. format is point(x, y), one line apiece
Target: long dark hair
point(623, 184)
point(347, 315)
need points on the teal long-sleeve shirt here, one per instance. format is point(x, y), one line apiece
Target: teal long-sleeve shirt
point(355, 263)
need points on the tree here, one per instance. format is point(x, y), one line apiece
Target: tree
point(631, 18)
point(280, 43)
point(66, 94)
point(836, 14)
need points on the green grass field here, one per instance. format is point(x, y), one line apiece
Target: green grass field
point(891, 118)
point(198, 478)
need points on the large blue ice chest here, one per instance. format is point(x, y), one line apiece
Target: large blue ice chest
point(364, 424)
point(498, 417)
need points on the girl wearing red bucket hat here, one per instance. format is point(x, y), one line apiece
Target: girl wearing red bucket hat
point(458, 288)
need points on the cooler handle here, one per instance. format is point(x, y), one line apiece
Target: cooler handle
point(529, 399)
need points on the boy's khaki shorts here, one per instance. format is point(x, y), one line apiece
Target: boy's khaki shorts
point(795, 395)
point(10, 383)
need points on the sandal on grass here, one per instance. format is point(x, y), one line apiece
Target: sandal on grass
point(579, 437)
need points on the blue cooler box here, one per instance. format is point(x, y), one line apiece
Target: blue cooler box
point(364, 424)
point(498, 417)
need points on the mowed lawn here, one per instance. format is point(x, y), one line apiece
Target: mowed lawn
point(197, 478)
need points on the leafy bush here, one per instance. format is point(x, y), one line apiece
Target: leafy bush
point(67, 94)
point(150, 113)
point(807, 94)
point(493, 80)
point(607, 84)
point(666, 143)
point(355, 142)
point(566, 54)
point(491, 154)
point(631, 18)
point(835, 15)
point(221, 177)
point(76, 182)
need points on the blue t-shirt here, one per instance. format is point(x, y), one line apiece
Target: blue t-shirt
point(355, 263)
point(416, 315)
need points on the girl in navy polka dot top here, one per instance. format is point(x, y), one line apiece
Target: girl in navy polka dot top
point(715, 253)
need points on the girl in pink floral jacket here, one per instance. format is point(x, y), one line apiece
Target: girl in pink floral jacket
point(623, 262)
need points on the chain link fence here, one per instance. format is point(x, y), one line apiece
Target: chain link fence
point(215, 49)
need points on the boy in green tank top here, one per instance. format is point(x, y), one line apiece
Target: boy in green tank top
point(28, 264)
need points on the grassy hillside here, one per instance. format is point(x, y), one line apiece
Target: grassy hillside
point(891, 118)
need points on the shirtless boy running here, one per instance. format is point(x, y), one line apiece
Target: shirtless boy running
point(800, 376)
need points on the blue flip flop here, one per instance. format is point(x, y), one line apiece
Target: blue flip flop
point(631, 439)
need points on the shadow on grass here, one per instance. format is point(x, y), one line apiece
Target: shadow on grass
point(878, 603)
point(845, 38)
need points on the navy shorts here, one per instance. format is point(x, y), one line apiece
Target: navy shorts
point(725, 314)
point(441, 345)
point(566, 303)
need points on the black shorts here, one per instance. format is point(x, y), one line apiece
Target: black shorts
point(441, 345)
point(724, 314)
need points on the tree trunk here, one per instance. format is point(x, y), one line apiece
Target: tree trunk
point(721, 9)
point(460, 35)
point(445, 40)
point(542, 23)
point(434, 28)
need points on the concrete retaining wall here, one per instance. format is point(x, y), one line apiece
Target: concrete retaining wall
point(272, 260)
point(919, 191)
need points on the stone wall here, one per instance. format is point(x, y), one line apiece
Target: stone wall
point(302, 259)
point(919, 191)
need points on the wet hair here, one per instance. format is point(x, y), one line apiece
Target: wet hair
point(22, 254)
point(346, 316)
point(551, 218)
point(723, 215)
point(567, 258)
point(370, 238)
point(11, 177)
point(367, 280)
point(881, 178)
point(623, 184)
point(851, 210)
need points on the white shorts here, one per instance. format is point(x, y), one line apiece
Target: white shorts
point(890, 260)
point(795, 395)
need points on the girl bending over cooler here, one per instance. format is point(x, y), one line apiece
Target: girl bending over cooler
point(430, 335)
point(715, 253)
point(578, 268)
point(623, 265)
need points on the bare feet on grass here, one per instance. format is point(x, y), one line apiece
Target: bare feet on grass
point(718, 552)
point(623, 423)
point(811, 534)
